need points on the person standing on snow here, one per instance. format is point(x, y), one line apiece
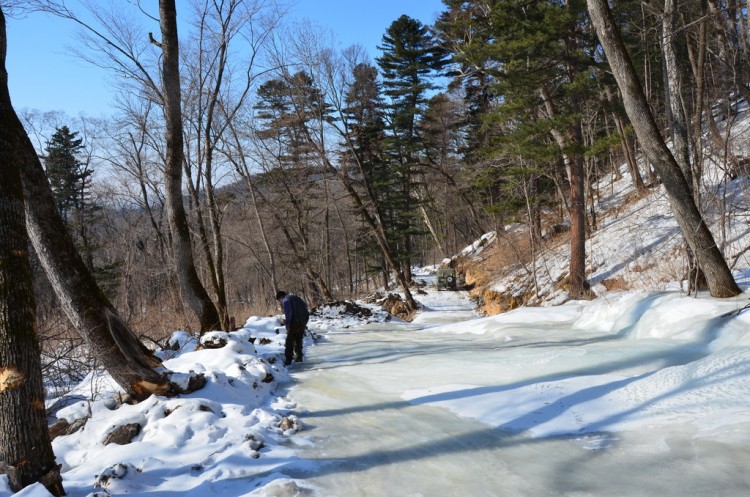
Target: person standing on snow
point(296, 316)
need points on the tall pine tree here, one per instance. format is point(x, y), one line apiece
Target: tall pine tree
point(70, 180)
point(537, 55)
point(410, 59)
point(365, 124)
point(68, 175)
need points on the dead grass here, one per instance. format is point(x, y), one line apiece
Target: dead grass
point(161, 319)
point(508, 250)
point(495, 302)
point(511, 249)
point(616, 284)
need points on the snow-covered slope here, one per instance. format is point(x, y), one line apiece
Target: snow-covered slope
point(637, 244)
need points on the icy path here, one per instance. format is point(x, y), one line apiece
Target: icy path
point(363, 438)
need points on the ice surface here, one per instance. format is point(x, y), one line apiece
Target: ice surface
point(639, 394)
point(633, 394)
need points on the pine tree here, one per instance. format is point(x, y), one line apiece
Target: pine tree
point(70, 181)
point(464, 30)
point(536, 55)
point(365, 124)
point(68, 176)
point(410, 59)
point(366, 121)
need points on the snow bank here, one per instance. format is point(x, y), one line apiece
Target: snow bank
point(215, 440)
point(692, 366)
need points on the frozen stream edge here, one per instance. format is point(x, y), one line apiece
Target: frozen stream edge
point(362, 437)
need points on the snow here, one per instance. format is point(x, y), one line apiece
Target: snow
point(642, 392)
point(631, 375)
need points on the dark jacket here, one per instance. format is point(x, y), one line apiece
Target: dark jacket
point(295, 310)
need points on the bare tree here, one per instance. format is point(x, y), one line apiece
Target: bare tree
point(192, 288)
point(217, 93)
point(125, 50)
point(677, 117)
point(127, 360)
point(236, 153)
point(710, 259)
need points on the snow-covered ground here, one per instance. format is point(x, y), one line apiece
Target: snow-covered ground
point(637, 243)
point(641, 393)
point(638, 393)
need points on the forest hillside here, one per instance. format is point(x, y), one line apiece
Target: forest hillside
point(637, 244)
point(575, 147)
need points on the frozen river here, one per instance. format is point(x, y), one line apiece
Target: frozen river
point(370, 400)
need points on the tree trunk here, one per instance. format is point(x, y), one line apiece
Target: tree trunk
point(676, 116)
point(674, 89)
point(627, 146)
point(720, 281)
point(126, 359)
point(575, 169)
point(699, 71)
point(26, 455)
point(193, 291)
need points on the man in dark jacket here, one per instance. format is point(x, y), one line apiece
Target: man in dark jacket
point(296, 316)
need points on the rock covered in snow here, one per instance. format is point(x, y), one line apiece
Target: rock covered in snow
point(214, 339)
point(345, 314)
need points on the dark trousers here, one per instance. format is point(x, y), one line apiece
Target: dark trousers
point(295, 333)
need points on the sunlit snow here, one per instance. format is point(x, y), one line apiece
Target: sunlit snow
point(637, 393)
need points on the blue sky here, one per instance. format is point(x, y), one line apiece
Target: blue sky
point(43, 75)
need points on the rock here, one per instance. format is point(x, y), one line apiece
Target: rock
point(214, 340)
point(62, 427)
point(342, 307)
point(123, 435)
point(268, 378)
point(254, 443)
point(115, 472)
point(287, 424)
point(395, 305)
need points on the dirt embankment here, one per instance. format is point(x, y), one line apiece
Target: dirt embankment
point(510, 252)
point(510, 258)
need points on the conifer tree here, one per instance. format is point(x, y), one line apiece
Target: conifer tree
point(464, 30)
point(535, 55)
point(70, 179)
point(68, 175)
point(365, 120)
point(410, 59)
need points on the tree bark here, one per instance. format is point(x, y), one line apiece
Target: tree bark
point(193, 291)
point(673, 90)
point(129, 362)
point(627, 146)
point(26, 455)
point(574, 165)
point(678, 128)
point(720, 281)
